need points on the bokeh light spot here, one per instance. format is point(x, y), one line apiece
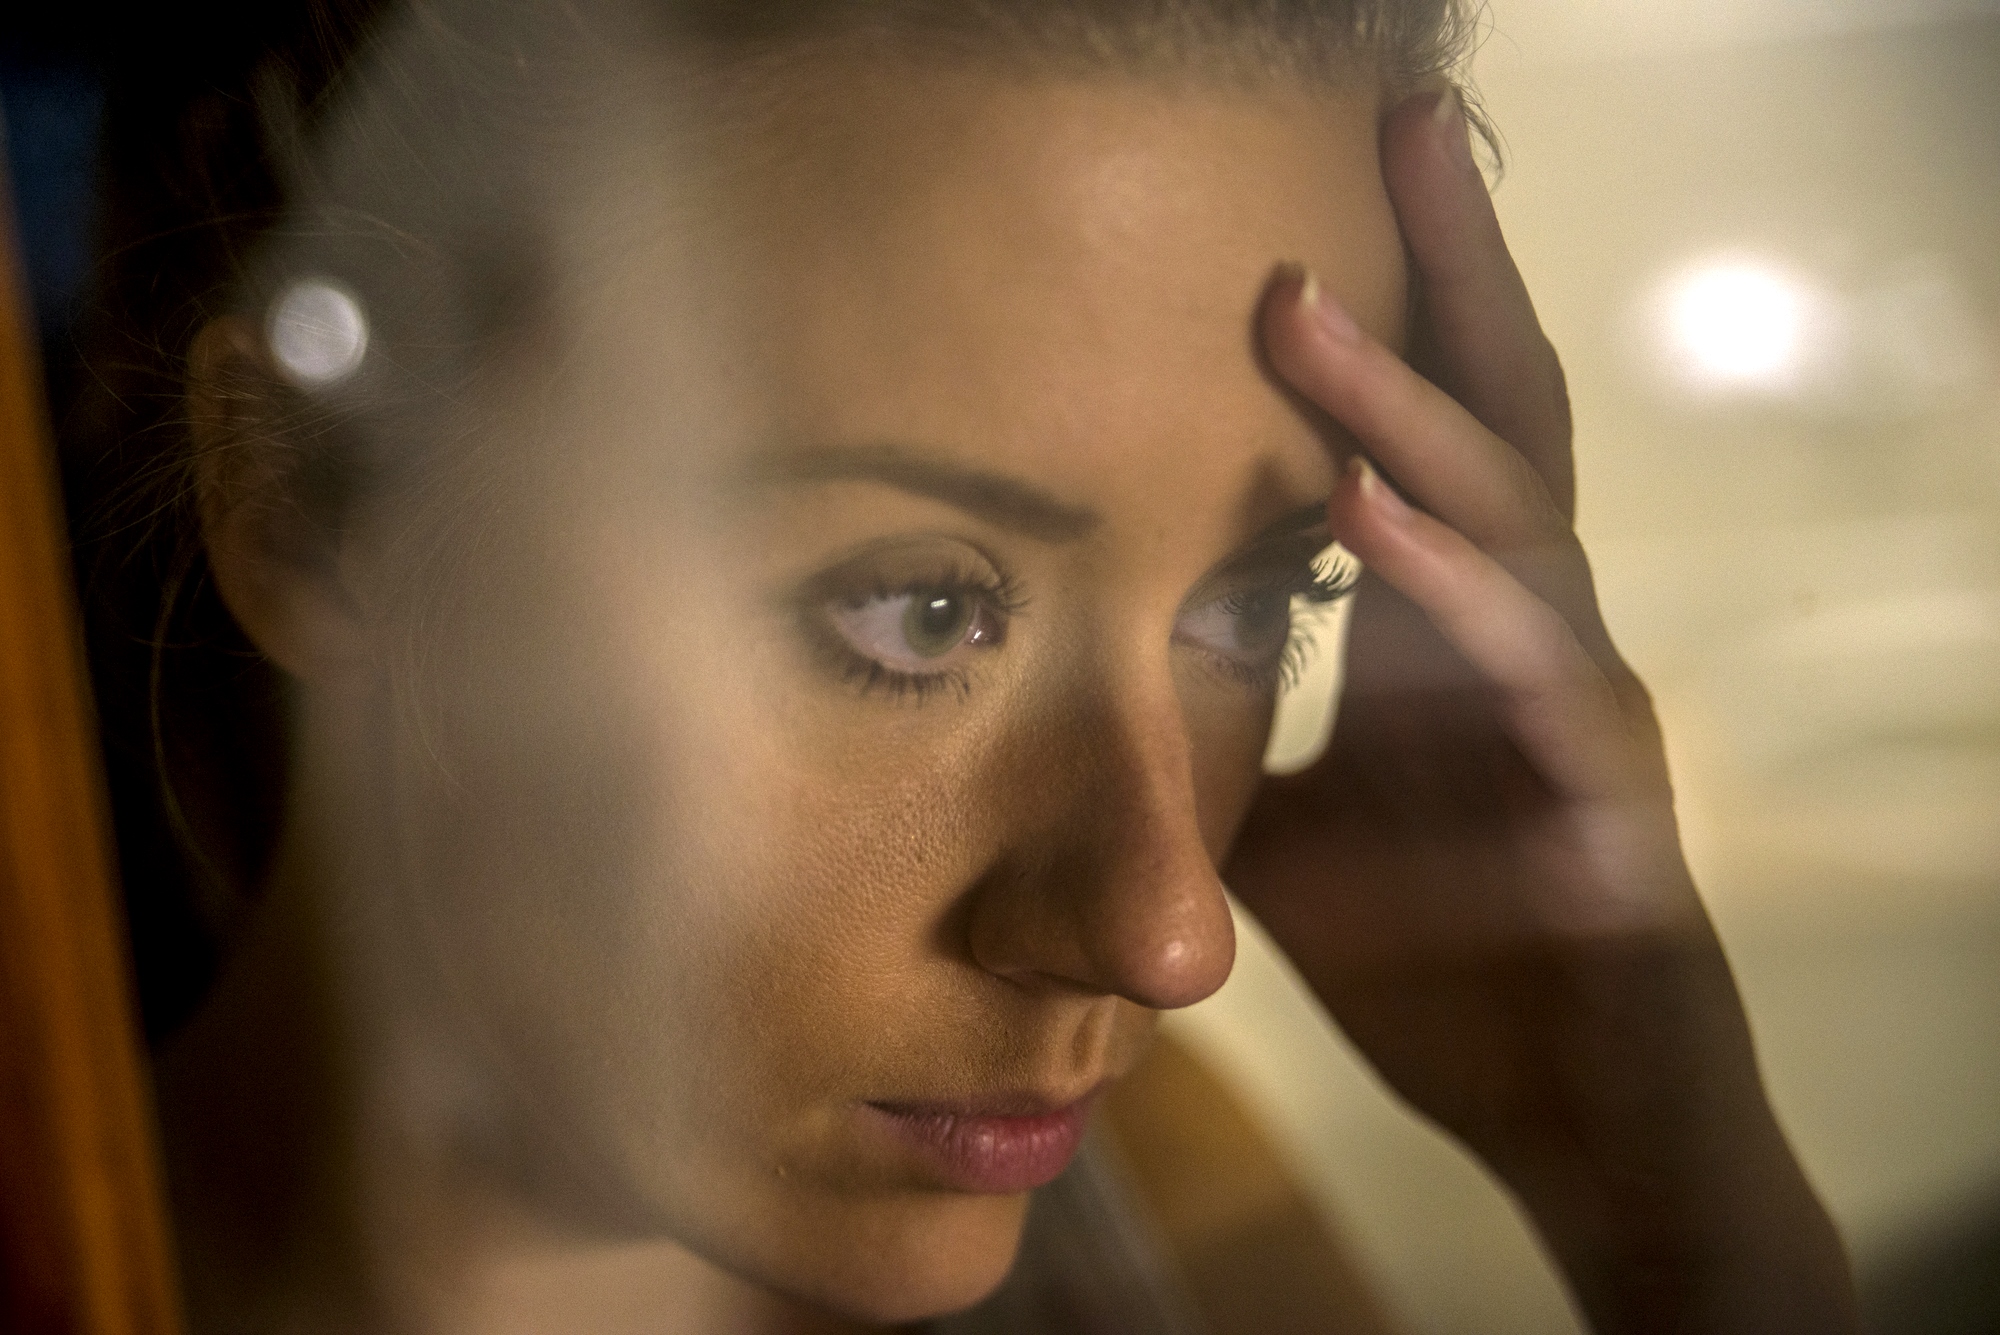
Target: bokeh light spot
point(1738, 324)
point(318, 334)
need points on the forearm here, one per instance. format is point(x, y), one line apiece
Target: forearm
point(1662, 1182)
point(1747, 1249)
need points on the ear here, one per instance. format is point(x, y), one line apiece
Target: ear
point(277, 564)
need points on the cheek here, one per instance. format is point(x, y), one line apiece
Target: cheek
point(579, 853)
point(1228, 732)
point(564, 901)
point(695, 933)
point(686, 898)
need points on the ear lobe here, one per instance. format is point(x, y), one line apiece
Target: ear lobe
point(276, 564)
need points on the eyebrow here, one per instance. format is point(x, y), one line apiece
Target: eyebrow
point(1006, 502)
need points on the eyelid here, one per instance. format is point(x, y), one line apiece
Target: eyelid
point(1294, 558)
point(925, 560)
point(905, 556)
point(1309, 568)
point(894, 568)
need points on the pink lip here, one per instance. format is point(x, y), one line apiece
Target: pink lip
point(997, 1147)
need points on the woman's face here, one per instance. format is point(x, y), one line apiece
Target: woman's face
point(866, 657)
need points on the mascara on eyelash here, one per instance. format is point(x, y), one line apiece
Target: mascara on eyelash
point(1315, 586)
point(844, 584)
point(872, 677)
point(997, 590)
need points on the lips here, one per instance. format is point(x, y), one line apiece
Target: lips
point(999, 1146)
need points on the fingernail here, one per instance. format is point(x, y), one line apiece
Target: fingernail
point(1376, 492)
point(1327, 311)
point(1449, 113)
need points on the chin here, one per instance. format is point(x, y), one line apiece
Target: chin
point(912, 1262)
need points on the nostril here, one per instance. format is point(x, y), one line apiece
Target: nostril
point(1159, 941)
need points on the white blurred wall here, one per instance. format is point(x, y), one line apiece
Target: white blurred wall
point(1766, 237)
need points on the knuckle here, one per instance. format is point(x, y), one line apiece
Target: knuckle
point(1553, 644)
point(1531, 490)
point(1556, 385)
point(1633, 696)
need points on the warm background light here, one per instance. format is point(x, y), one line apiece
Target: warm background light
point(1764, 235)
point(1736, 324)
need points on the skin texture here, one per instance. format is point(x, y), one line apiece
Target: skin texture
point(674, 894)
point(600, 925)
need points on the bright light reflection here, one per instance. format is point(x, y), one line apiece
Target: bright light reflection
point(1738, 324)
point(318, 333)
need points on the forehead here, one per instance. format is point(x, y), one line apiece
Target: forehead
point(1053, 275)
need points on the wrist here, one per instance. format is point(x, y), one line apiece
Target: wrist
point(1725, 1238)
point(1651, 1161)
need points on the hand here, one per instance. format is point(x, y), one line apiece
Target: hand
point(1482, 878)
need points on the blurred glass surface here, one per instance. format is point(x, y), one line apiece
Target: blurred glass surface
point(1766, 239)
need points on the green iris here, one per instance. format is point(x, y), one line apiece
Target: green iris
point(936, 622)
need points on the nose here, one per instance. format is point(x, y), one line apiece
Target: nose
point(1109, 888)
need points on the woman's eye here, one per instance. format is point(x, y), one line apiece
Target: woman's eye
point(918, 631)
point(1250, 632)
point(934, 623)
point(1250, 629)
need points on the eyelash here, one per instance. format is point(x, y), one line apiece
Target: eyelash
point(1316, 587)
point(999, 593)
point(1002, 595)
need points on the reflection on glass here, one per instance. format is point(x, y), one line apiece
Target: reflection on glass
point(318, 333)
point(1802, 564)
point(703, 765)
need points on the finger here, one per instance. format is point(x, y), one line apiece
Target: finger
point(1477, 317)
point(1449, 462)
point(1555, 702)
point(1477, 484)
